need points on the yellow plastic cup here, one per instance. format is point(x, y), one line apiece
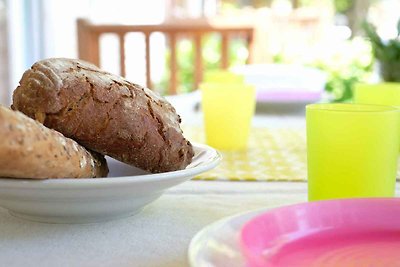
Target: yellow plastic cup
point(222, 76)
point(352, 150)
point(228, 110)
point(379, 94)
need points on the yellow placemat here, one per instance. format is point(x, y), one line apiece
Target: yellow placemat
point(276, 154)
point(272, 155)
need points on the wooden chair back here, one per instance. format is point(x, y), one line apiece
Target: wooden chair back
point(89, 44)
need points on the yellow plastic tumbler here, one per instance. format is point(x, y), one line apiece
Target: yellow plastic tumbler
point(222, 76)
point(352, 150)
point(379, 94)
point(228, 110)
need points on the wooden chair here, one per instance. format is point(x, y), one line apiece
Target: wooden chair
point(88, 44)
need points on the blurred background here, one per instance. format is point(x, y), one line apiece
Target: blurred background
point(293, 50)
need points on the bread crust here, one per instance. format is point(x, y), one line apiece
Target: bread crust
point(104, 113)
point(30, 150)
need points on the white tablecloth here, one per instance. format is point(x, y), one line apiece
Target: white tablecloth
point(159, 236)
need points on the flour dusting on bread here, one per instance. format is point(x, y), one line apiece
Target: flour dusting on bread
point(105, 113)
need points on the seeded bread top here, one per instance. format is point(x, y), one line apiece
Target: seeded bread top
point(104, 113)
point(30, 150)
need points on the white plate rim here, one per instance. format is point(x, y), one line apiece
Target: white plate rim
point(192, 253)
point(121, 180)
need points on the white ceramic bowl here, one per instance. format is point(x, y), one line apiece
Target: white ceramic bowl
point(125, 192)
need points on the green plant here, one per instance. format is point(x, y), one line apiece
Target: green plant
point(341, 6)
point(387, 52)
point(345, 63)
point(340, 84)
point(237, 55)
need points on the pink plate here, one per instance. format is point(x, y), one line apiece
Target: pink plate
point(347, 232)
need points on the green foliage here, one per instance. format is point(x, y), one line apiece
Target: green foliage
point(237, 55)
point(346, 66)
point(185, 65)
point(345, 62)
point(398, 28)
point(383, 51)
point(341, 82)
point(386, 52)
point(341, 6)
point(211, 52)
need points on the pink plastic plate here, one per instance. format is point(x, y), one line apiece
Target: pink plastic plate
point(348, 232)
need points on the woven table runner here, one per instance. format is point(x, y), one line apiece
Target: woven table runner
point(272, 155)
point(276, 154)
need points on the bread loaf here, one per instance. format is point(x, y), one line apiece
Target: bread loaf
point(30, 150)
point(104, 113)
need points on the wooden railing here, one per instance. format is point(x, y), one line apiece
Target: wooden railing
point(88, 44)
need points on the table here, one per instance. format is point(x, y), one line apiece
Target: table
point(159, 236)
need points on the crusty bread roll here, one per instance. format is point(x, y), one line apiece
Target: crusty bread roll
point(104, 113)
point(30, 150)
